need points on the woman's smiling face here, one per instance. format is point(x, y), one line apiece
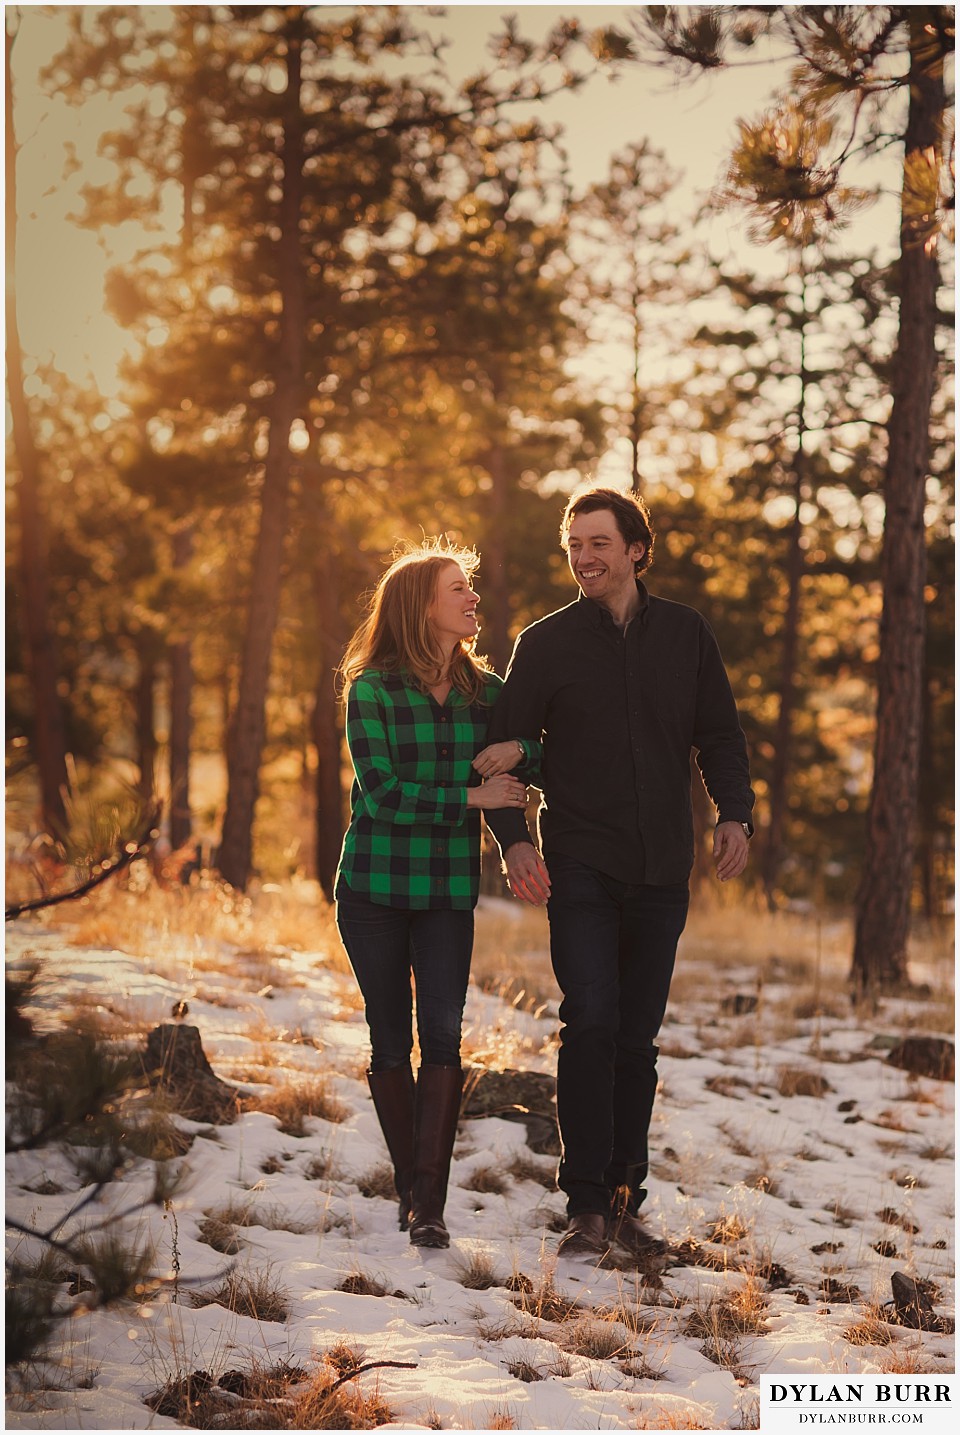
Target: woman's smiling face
point(453, 612)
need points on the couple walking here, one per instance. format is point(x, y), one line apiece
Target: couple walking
point(602, 703)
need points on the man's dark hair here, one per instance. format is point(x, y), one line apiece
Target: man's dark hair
point(630, 513)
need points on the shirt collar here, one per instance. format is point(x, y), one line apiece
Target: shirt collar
point(596, 615)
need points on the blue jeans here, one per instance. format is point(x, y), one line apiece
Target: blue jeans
point(613, 946)
point(384, 944)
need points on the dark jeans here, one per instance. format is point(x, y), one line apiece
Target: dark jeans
point(613, 946)
point(384, 944)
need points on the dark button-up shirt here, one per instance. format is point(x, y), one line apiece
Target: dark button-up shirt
point(619, 712)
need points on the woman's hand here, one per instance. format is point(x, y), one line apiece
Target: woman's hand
point(499, 791)
point(498, 757)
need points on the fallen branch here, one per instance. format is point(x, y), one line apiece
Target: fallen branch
point(374, 1365)
point(108, 867)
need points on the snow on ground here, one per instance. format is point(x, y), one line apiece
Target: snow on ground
point(794, 1171)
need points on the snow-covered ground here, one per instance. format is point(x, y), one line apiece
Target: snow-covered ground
point(795, 1170)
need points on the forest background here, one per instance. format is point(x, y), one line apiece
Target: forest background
point(371, 288)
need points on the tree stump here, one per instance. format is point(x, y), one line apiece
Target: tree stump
point(925, 1056)
point(176, 1064)
point(913, 1307)
point(527, 1096)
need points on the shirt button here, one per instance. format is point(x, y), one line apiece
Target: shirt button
point(443, 752)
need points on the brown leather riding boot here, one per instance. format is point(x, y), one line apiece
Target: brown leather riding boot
point(393, 1093)
point(435, 1130)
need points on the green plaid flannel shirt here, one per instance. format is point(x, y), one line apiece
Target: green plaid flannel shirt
point(412, 841)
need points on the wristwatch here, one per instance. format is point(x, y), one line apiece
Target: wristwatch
point(747, 828)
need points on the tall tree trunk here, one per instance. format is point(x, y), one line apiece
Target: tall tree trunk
point(146, 718)
point(181, 725)
point(248, 728)
point(790, 642)
point(50, 742)
point(325, 731)
point(929, 791)
point(636, 397)
point(181, 651)
point(495, 612)
point(883, 899)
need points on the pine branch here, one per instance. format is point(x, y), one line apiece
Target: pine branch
point(132, 852)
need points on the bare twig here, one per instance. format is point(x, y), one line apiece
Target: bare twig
point(374, 1365)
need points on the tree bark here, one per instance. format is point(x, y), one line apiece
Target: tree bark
point(181, 651)
point(325, 732)
point(636, 397)
point(929, 789)
point(146, 719)
point(49, 741)
point(181, 725)
point(883, 899)
point(248, 728)
point(494, 578)
point(790, 642)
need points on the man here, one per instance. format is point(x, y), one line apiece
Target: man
point(620, 685)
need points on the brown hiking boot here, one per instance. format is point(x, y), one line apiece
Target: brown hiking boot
point(628, 1232)
point(584, 1236)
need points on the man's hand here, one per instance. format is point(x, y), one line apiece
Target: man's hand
point(527, 874)
point(498, 757)
point(730, 850)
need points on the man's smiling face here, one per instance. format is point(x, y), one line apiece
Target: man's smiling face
point(601, 562)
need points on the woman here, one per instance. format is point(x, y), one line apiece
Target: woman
point(418, 705)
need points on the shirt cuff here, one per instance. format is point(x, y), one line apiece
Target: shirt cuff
point(725, 817)
point(453, 807)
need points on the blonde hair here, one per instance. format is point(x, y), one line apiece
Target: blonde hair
point(397, 636)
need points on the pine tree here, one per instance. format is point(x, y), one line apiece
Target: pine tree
point(43, 663)
point(629, 253)
point(847, 73)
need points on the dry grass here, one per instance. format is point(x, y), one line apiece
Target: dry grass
point(501, 1417)
point(543, 1171)
point(672, 1417)
point(727, 1230)
point(220, 1236)
point(523, 1370)
point(184, 928)
point(727, 1319)
point(360, 1282)
point(799, 1081)
point(475, 1271)
point(872, 1329)
point(296, 1102)
point(378, 1182)
point(323, 1168)
point(936, 1151)
point(736, 1144)
point(234, 1213)
point(909, 1359)
point(642, 1370)
point(545, 1302)
point(511, 952)
point(597, 1339)
point(319, 1407)
point(344, 1358)
point(258, 1294)
point(487, 1180)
